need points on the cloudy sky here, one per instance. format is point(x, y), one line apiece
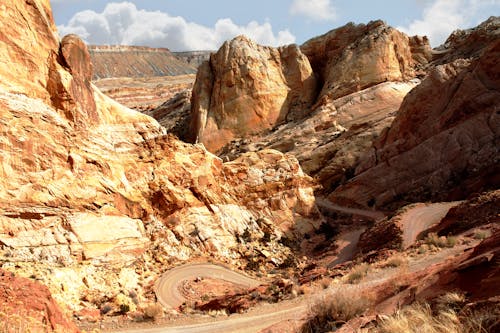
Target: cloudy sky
point(182, 25)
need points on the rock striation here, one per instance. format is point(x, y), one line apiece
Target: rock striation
point(247, 89)
point(136, 61)
point(96, 200)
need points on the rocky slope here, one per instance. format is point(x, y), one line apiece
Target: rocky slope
point(145, 93)
point(443, 143)
point(96, 201)
point(136, 61)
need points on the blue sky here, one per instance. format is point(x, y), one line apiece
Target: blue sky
point(199, 24)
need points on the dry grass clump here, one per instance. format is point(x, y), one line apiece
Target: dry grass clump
point(397, 260)
point(440, 241)
point(358, 273)
point(153, 311)
point(447, 317)
point(334, 310)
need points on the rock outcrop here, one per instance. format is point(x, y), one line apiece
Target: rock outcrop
point(96, 200)
point(470, 43)
point(355, 57)
point(136, 61)
point(247, 89)
point(443, 143)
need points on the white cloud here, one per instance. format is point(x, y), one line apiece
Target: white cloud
point(317, 10)
point(441, 17)
point(122, 23)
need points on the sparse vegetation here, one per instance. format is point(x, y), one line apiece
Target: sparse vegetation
point(440, 241)
point(396, 261)
point(480, 235)
point(335, 310)
point(153, 311)
point(448, 317)
point(358, 273)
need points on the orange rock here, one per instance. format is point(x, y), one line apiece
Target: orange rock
point(246, 89)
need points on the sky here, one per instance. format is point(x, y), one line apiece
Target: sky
point(187, 25)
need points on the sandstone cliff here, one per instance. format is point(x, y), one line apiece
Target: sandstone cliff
point(96, 200)
point(246, 89)
point(136, 61)
point(354, 57)
point(444, 141)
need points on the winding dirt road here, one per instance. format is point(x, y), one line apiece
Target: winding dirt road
point(327, 204)
point(422, 217)
point(167, 287)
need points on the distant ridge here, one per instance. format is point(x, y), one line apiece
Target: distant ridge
point(136, 61)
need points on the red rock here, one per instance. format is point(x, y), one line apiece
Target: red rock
point(32, 303)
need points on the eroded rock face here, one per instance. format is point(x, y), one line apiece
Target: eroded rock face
point(443, 142)
point(355, 57)
point(246, 89)
point(96, 200)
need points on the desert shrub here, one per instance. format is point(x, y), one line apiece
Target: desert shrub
point(124, 308)
point(358, 273)
point(267, 237)
point(330, 231)
point(480, 235)
point(153, 311)
point(334, 310)
point(440, 241)
point(246, 236)
point(396, 261)
point(418, 318)
point(288, 262)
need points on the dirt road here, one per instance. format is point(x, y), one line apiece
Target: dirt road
point(167, 287)
point(326, 204)
point(244, 323)
point(422, 217)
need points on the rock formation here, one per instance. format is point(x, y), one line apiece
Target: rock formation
point(443, 143)
point(246, 89)
point(136, 61)
point(354, 57)
point(232, 95)
point(96, 200)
